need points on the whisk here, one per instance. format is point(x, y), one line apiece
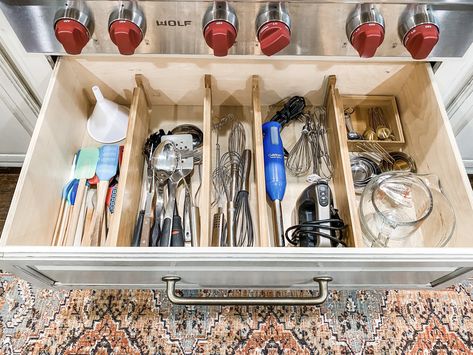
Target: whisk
point(216, 182)
point(237, 138)
point(229, 174)
point(243, 220)
point(298, 162)
point(322, 163)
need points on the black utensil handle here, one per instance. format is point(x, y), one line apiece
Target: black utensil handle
point(177, 239)
point(156, 231)
point(165, 239)
point(138, 228)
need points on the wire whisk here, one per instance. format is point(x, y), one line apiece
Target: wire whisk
point(237, 138)
point(298, 162)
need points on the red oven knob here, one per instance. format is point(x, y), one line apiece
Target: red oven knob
point(420, 40)
point(127, 27)
point(126, 35)
point(418, 30)
point(273, 37)
point(220, 27)
point(365, 29)
point(367, 38)
point(273, 28)
point(73, 35)
point(220, 36)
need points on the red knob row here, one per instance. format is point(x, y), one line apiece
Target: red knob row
point(273, 36)
point(74, 36)
point(419, 41)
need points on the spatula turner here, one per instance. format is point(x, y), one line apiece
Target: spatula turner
point(85, 169)
point(106, 169)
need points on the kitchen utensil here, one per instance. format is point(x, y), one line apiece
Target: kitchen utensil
point(229, 175)
point(70, 201)
point(322, 167)
point(299, 160)
point(218, 188)
point(218, 228)
point(231, 179)
point(352, 134)
point(106, 169)
point(314, 224)
point(63, 213)
point(374, 151)
point(400, 161)
point(177, 239)
point(85, 169)
point(148, 215)
point(197, 139)
point(138, 229)
point(237, 138)
point(191, 212)
point(166, 160)
point(57, 226)
point(363, 169)
point(401, 209)
point(109, 121)
point(275, 174)
point(243, 221)
point(184, 147)
point(378, 124)
point(87, 201)
point(135, 241)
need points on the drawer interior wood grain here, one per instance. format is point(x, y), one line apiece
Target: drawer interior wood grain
point(183, 90)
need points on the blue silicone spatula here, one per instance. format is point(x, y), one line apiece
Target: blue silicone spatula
point(85, 169)
point(106, 169)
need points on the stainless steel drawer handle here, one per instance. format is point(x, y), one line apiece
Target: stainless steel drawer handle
point(322, 281)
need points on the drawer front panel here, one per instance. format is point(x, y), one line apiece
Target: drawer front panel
point(229, 269)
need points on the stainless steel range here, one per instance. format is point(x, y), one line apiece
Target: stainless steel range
point(391, 29)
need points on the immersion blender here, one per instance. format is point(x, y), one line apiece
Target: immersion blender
point(275, 173)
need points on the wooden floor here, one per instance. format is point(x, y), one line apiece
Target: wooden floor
point(8, 179)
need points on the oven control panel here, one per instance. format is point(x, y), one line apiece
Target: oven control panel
point(433, 30)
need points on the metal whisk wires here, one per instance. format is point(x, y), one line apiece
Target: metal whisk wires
point(237, 138)
point(298, 162)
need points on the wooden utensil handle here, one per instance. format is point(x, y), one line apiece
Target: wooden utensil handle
point(145, 232)
point(57, 227)
point(71, 230)
point(97, 219)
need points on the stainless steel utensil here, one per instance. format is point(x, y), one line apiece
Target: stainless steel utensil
point(243, 221)
point(352, 134)
point(237, 138)
point(166, 163)
point(184, 147)
point(229, 174)
point(299, 160)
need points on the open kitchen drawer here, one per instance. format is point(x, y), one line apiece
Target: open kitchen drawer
point(179, 90)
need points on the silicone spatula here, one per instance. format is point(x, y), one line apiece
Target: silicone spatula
point(60, 224)
point(70, 201)
point(63, 201)
point(85, 169)
point(106, 169)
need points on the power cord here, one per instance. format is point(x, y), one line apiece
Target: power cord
point(312, 231)
point(292, 109)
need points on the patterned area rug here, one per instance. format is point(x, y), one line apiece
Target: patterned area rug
point(38, 321)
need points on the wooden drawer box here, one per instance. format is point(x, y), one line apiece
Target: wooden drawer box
point(195, 90)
